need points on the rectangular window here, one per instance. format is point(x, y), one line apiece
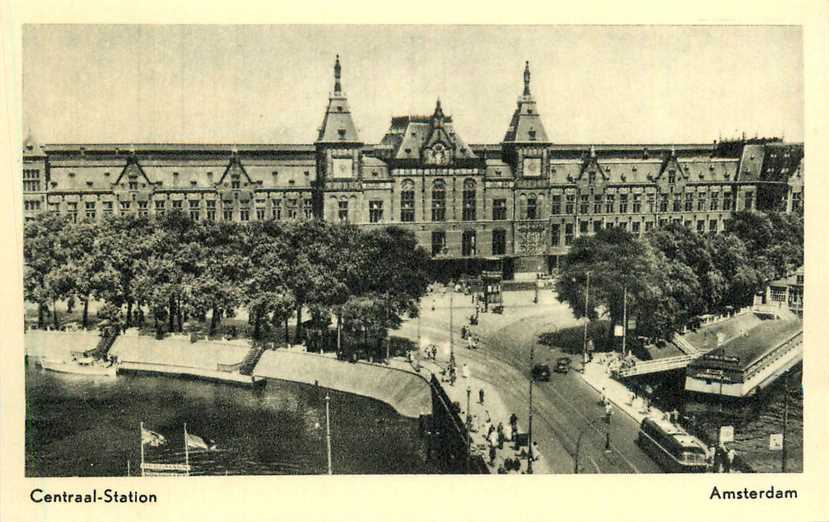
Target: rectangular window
point(677, 203)
point(700, 226)
point(726, 201)
point(623, 203)
point(663, 202)
point(712, 225)
point(31, 206)
point(438, 243)
point(689, 202)
point(651, 203)
point(583, 226)
point(555, 238)
point(133, 184)
point(438, 201)
point(715, 201)
point(556, 204)
point(407, 206)
point(244, 214)
point(227, 214)
point(623, 225)
point(72, 209)
point(671, 177)
point(597, 226)
point(31, 180)
point(584, 205)
point(308, 208)
point(499, 209)
point(609, 203)
point(194, 209)
point(648, 226)
point(532, 205)
point(568, 234)
point(235, 183)
point(796, 200)
point(663, 223)
point(637, 203)
point(375, 211)
point(636, 227)
point(260, 210)
point(597, 204)
point(143, 208)
point(749, 200)
point(90, 210)
point(125, 206)
point(342, 211)
point(468, 247)
point(499, 242)
point(292, 208)
point(276, 209)
point(159, 207)
point(687, 224)
point(107, 208)
point(176, 204)
point(211, 209)
point(570, 204)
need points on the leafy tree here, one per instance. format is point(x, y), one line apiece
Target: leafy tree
point(42, 256)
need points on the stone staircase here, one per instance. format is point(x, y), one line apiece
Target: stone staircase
point(251, 359)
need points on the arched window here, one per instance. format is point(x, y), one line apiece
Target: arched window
point(407, 201)
point(439, 200)
point(469, 208)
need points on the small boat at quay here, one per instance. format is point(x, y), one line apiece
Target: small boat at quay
point(80, 366)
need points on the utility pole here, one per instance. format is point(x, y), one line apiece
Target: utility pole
point(530, 423)
point(451, 324)
point(624, 319)
point(586, 319)
point(468, 427)
point(328, 431)
point(785, 423)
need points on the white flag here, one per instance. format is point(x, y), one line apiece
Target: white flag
point(194, 441)
point(152, 438)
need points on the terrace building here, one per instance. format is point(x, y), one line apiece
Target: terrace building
point(518, 203)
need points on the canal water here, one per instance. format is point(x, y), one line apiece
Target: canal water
point(89, 426)
point(754, 419)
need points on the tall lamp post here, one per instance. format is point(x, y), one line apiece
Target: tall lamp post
point(586, 319)
point(468, 427)
point(530, 422)
point(451, 323)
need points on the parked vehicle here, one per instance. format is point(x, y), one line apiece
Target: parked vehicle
point(541, 372)
point(563, 365)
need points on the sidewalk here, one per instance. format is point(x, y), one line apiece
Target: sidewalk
point(492, 411)
point(597, 374)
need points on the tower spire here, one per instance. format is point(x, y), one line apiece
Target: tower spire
point(527, 78)
point(337, 69)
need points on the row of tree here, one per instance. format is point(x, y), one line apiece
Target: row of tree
point(674, 274)
point(172, 268)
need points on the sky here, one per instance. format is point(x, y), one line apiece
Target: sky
point(270, 84)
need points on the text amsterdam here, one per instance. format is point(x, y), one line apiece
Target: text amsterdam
point(107, 496)
point(752, 494)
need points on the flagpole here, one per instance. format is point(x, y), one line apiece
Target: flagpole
point(186, 451)
point(142, 447)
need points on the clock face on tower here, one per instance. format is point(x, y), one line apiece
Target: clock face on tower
point(342, 167)
point(532, 167)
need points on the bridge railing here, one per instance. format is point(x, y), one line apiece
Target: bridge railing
point(668, 363)
point(772, 355)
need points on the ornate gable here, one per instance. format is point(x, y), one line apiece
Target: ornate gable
point(592, 172)
point(234, 172)
point(671, 171)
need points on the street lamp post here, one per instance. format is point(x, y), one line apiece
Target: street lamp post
point(586, 319)
point(530, 422)
point(451, 323)
point(468, 427)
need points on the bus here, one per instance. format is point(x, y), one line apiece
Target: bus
point(672, 447)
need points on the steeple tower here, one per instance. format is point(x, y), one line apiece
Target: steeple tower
point(337, 125)
point(525, 143)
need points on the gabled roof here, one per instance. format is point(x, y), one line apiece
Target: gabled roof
point(234, 167)
point(337, 125)
point(525, 125)
point(409, 135)
point(132, 167)
point(31, 147)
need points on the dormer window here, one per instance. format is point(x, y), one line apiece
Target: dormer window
point(408, 151)
point(290, 182)
point(374, 173)
point(341, 133)
point(531, 132)
point(591, 177)
point(193, 183)
point(71, 174)
point(671, 177)
point(235, 183)
point(175, 174)
point(106, 173)
point(529, 111)
point(275, 173)
point(339, 108)
point(307, 173)
point(88, 183)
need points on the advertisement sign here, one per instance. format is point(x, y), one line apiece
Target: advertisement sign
point(776, 441)
point(618, 331)
point(727, 434)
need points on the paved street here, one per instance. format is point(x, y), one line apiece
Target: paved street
point(568, 418)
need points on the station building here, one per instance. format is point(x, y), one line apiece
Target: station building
point(518, 203)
